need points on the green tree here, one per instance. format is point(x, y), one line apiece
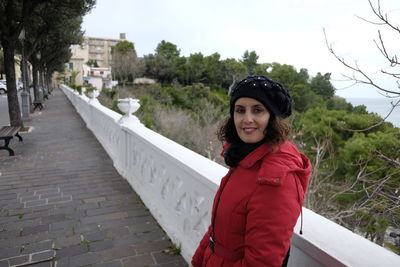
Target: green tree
point(322, 86)
point(181, 70)
point(125, 64)
point(234, 71)
point(250, 60)
point(159, 68)
point(167, 50)
point(196, 68)
point(16, 15)
point(124, 48)
point(92, 63)
point(213, 70)
point(355, 174)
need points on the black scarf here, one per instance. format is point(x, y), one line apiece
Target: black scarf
point(237, 152)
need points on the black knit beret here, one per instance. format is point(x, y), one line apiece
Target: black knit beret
point(271, 94)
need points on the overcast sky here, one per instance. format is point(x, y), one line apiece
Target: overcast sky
point(284, 31)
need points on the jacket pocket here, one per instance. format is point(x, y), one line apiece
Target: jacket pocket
point(273, 178)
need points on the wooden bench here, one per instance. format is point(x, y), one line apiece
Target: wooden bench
point(38, 105)
point(7, 133)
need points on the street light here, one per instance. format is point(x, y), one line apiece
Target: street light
point(25, 93)
point(40, 80)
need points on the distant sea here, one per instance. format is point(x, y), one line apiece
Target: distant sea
point(381, 106)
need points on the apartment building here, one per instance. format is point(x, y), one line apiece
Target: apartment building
point(93, 49)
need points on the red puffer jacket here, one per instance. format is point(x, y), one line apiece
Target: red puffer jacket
point(255, 210)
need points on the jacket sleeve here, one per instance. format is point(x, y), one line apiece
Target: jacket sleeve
point(197, 259)
point(273, 210)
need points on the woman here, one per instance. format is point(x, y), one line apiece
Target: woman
point(259, 201)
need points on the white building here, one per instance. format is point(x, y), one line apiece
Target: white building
point(93, 50)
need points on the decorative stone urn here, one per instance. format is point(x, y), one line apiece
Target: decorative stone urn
point(128, 106)
point(93, 94)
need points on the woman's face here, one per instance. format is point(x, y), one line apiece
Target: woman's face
point(251, 119)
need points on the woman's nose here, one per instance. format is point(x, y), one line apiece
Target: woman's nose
point(248, 117)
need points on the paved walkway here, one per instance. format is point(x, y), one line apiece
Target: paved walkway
point(62, 203)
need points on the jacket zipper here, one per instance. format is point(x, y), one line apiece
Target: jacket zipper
point(212, 237)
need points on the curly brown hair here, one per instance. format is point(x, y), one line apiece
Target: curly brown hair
point(277, 131)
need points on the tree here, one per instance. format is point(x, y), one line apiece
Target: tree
point(1, 64)
point(235, 70)
point(125, 63)
point(196, 68)
point(355, 175)
point(250, 60)
point(92, 63)
point(321, 85)
point(13, 16)
point(167, 50)
point(18, 14)
point(159, 68)
point(213, 70)
point(359, 75)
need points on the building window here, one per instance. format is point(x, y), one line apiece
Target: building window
point(101, 72)
point(71, 65)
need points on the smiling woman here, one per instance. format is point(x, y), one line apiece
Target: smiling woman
point(259, 200)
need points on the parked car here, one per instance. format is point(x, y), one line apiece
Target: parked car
point(3, 87)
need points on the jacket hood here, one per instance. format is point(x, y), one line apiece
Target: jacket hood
point(278, 164)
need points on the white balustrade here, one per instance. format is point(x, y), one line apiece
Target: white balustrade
point(178, 187)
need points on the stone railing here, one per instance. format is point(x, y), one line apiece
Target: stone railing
point(178, 186)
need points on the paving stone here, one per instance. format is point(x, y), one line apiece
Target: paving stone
point(143, 227)
point(99, 211)
point(162, 257)
point(94, 236)
point(138, 261)
point(53, 219)
point(42, 264)
point(67, 241)
point(35, 203)
point(115, 263)
point(72, 251)
point(148, 247)
point(128, 240)
point(85, 259)
point(4, 263)
point(35, 229)
point(117, 232)
point(66, 224)
point(11, 233)
point(118, 253)
point(101, 245)
point(105, 217)
point(9, 252)
point(63, 262)
point(178, 263)
point(94, 200)
point(18, 260)
point(28, 198)
point(37, 247)
point(44, 255)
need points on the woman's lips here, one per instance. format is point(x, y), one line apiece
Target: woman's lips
point(249, 130)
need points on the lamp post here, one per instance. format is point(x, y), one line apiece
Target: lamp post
point(40, 78)
point(25, 92)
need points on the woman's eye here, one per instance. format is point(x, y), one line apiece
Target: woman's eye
point(239, 110)
point(258, 110)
